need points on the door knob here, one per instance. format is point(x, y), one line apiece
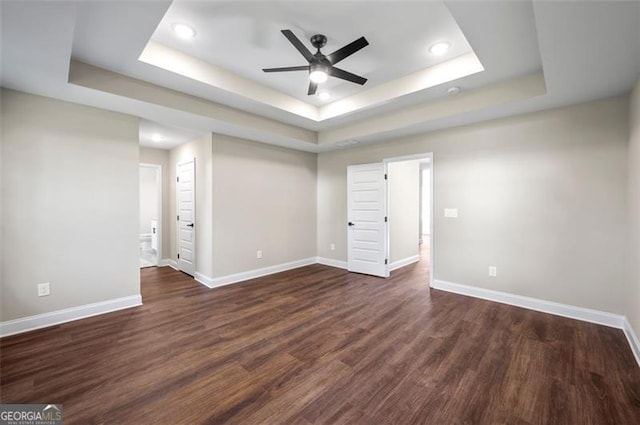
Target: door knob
point(351, 224)
point(190, 225)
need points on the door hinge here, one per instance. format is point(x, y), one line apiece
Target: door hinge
point(178, 217)
point(178, 256)
point(386, 219)
point(385, 177)
point(386, 261)
point(178, 179)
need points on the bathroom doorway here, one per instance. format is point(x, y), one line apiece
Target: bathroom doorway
point(150, 214)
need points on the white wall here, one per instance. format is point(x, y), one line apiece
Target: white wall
point(148, 198)
point(200, 149)
point(541, 196)
point(161, 157)
point(264, 198)
point(404, 209)
point(633, 292)
point(70, 204)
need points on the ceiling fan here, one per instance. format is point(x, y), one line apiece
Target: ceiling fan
point(321, 66)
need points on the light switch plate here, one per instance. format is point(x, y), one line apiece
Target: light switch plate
point(493, 271)
point(451, 212)
point(44, 289)
point(259, 254)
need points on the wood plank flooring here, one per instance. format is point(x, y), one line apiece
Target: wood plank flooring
point(318, 345)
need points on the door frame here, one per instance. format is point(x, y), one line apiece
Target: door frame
point(426, 155)
point(158, 169)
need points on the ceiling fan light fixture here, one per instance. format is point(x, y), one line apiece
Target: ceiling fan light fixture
point(324, 95)
point(318, 73)
point(321, 65)
point(439, 48)
point(184, 31)
point(318, 76)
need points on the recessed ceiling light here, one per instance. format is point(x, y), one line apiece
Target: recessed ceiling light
point(324, 95)
point(439, 48)
point(156, 138)
point(452, 91)
point(184, 31)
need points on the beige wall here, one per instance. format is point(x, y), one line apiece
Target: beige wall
point(70, 204)
point(161, 157)
point(404, 209)
point(541, 196)
point(200, 149)
point(545, 197)
point(264, 198)
point(633, 293)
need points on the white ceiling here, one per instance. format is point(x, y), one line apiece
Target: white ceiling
point(586, 51)
point(244, 37)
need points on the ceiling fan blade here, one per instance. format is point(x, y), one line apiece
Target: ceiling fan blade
point(298, 45)
point(312, 88)
point(341, 73)
point(287, 68)
point(347, 50)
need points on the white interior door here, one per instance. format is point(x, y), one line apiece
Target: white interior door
point(367, 245)
point(186, 216)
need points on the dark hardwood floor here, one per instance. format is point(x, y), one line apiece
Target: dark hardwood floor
point(320, 345)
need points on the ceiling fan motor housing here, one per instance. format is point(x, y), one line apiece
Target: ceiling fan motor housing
point(318, 41)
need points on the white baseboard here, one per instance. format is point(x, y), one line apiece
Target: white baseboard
point(404, 262)
point(251, 274)
point(564, 310)
point(167, 262)
point(634, 343)
point(331, 262)
point(25, 324)
point(204, 279)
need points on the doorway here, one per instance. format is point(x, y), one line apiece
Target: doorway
point(410, 206)
point(389, 215)
point(150, 176)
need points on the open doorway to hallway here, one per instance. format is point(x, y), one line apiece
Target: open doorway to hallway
point(409, 211)
point(150, 214)
point(425, 211)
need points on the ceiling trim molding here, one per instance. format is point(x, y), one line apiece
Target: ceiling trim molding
point(84, 75)
point(185, 65)
point(509, 91)
point(444, 72)
point(188, 66)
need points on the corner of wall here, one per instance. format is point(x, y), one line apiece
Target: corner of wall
point(633, 266)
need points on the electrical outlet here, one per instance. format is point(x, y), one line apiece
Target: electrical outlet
point(493, 271)
point(333, 247)
point(259, 254)
point(43, 289)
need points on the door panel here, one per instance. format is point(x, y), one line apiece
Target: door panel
point(366, 214)
point(185, 194)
